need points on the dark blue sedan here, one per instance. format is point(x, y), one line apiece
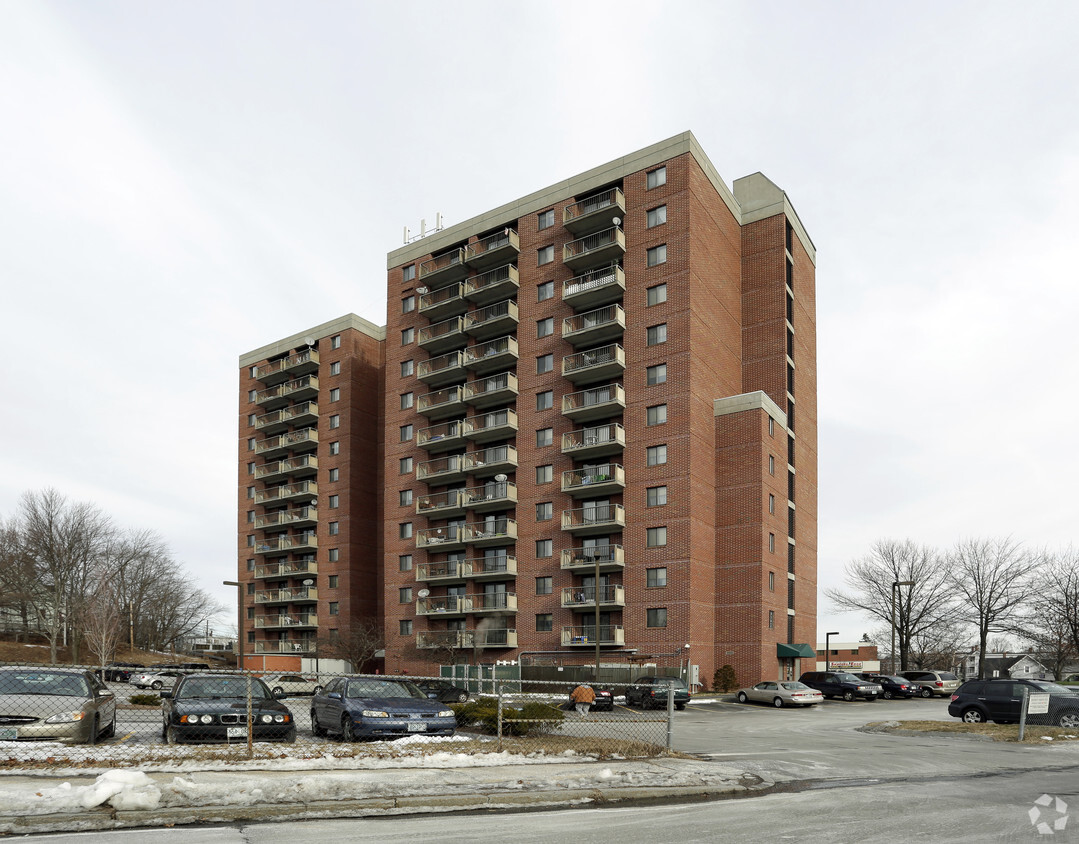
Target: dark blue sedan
point(377, 707)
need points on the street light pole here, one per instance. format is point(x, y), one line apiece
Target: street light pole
point(828, 646)
point(239, 622)
point(895, 588)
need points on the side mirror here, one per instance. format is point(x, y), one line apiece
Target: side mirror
point(334, 695)
point(105, 693)
point(165, 694)
point(432, 695)
point(278, 694)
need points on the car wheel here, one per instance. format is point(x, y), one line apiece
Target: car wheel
point(742, 697)
point(156, 685)
point(887, 695)
point(1069, 720)
point(110, 730)
point(171, 735)
point(290, 736)
point(348, 730)
point(848, 695)
point(926, 692)
point(973, 716)
point(679, 706)
point(462, 697)
point(277, 690)
point(316, 727)
point(95, 728)
point(777, 703)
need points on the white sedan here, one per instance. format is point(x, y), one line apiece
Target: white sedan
point(288, 685)
point(781, 693)
point(155, 679)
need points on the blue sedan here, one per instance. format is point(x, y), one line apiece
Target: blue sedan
point(377, 707)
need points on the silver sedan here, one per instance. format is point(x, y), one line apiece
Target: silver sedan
point(781, 693)
point(66, 705)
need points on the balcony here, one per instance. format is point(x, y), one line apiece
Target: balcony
point(602, 247)
point(585, 635)
point(286, 620)
point(446, 538)
point(594, 212)
point(279, 371)
point(444, 369)
point(298, 594)
point(446, 639)
point(492, 355)
point(496, 531)
point(440, 337)
point(284, 544)
point(583, 560)
point(442, 403)
point(285, 646)
point(443, 302)
point(493, 249)
point(306, 464)
point(492, 425)
point(444, 269)
point(288, 568)
point(305, 439)
point(597, 326)
point(443, 470)
point(597, 441)
point(444, 605)
point(608, 479)
point(597, 287)
point(491, 390)
point(493, 460)
point(441, 505)
point(594, 403)
point(489, 568)
point(443, 437)
point(594, 518)
point(492, 320)
point(582, 597)
point(444, 571)
point(595, 364)
point(493, 285)
point(298, 517)
point(493, 495)
point(497, 602)
point(303, 491)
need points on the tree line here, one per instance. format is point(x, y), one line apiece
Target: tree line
point(965, 594)
point(69, 572)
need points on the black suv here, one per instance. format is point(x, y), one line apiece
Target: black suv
point(841, 684)
point(893, 686)
point(977, 701)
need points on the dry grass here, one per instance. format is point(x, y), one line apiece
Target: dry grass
point(995, 732)
point(37, 652)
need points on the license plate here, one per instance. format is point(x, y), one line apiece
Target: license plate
point(8, 733)
point(417, 728)
point(236, 732)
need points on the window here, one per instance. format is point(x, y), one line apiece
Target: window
point(771, 619)
point(657, 255)
point(657, 334)
point(406, 433)
point(404, 465)
point(335, 555)
point(771, 581)
point(250, 492)
point(545, 400)
point(335, 394)
point(335, 341)
point(251, 394)
point(335, 500)
point(250, 588)
point(544, 255)
point(545, 327)
point(408, 335)
point(544, 474)
point(404, 497)
point(544, 363)
point(250, 540)
point(250, 443)
point(250, 468)
point(656, 537)
point(656, 177)
point(335, 475)
point(656, 577)
point(544, 292)
point(544, 585)
point(771, 465)
point(333, 581)
point(252, 372)
point(657, 496)
point(544, 511)
point(771, 503)
point(250, 516)
point(544, 622)
point(543, 548)
point(335, 421)
point(408, 304)
point(546, 219)
point(657, 216)
point(407, 400)
point(407, 368)
point(408, 273)
point(335, 368)
point(250, 612)
point(545, 436)
point(657, 295)
point(657, 617)
point(404, 562)
point(252, 419)
point(656, 374)
point(335, 448)
point(405, 626)
point(335, 528)
point(657, 414)
point(404, 530)
point(657, 455)
point(772, 543)
point(404, 595)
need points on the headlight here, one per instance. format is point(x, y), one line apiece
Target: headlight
point(446, 713)
point(207, 719)
point(65, 717)
point(280, 719)
point(374, 713)
point(266, 719)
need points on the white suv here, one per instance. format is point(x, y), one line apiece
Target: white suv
point(930, 683)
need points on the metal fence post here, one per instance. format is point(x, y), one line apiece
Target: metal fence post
point(499, 720)
point(250, 722)
point(670, 715)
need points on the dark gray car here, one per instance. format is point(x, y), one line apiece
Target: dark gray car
point(841, 684)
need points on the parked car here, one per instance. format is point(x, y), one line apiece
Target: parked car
point(892, 687)
point(58, 704)
point(930, 683)
point(287, 685)
point(781, 693)
point(375, 707)
point(841, 684)
point(604, 701)
point(155, 680)
point(651, 692)
point(977, 701)
point(120, 672)
point(195, 666)
point(443, 690)
point(213, 708)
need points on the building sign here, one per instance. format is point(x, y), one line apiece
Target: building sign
point(850, 665)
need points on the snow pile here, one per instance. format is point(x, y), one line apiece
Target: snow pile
point(120, 789)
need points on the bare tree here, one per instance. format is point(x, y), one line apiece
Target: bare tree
point(18, 579)
point(1052, 623)
point(100, 619)
point(357, 645)
point(920, 608)
point(940, 646)
point(993, 579)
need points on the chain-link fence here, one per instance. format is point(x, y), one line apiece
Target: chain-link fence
point(85, 717)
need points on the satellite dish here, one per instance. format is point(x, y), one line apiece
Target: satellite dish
point(310, 341)
point(423, 593)
point(421, 290)
point(617, 221)
point(501, 478)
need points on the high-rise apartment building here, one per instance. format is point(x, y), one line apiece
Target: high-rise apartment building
point(583, 410)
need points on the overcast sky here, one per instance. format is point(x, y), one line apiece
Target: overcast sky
point(184, 182)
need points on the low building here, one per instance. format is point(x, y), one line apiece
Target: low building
point(848, 656)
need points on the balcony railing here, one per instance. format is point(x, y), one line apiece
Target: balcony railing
point(602, 247)
point(442, 437)
point(441, 571)
point(285, 646)
point(303, 489)
point(442, 538)
point(443, 302)
point(596, 441)
point(443, 469)
point(489, 568)
point(287, 596)
point(278, 420)
point(584, 559)
point(594, 212)
point(494, 249)
point(499, 318)
point(286, 620)
point(595, 326)
point(442, 336)
point(604, 479)
point(492, 460)
point(306, 464)
point(302, 440)
point(609, 634)
point(492, 354)
point(492, 389)
point(492, 425)
point(441, 403)
point(498, 531)
point(594, 518)
point(444, 503)
point(591, 365)
point(480, 602)
point(442, 369)
point(574, 597)
point(445, 268)
point(289, 568)
point(594, 402)
point(492, 285)
point(283, 544)
point(277, 371)
point(493, 495)
point(287, 518)
point(595, 287)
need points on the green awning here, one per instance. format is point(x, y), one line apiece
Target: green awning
point(804, 651)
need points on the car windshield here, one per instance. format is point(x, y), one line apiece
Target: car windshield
point(670, 681)
point(1052, 687)
point(795, 686)
point(382, 688)
point(946, 675)
point(216, 687)
point(43, 683)
point(848, 678)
